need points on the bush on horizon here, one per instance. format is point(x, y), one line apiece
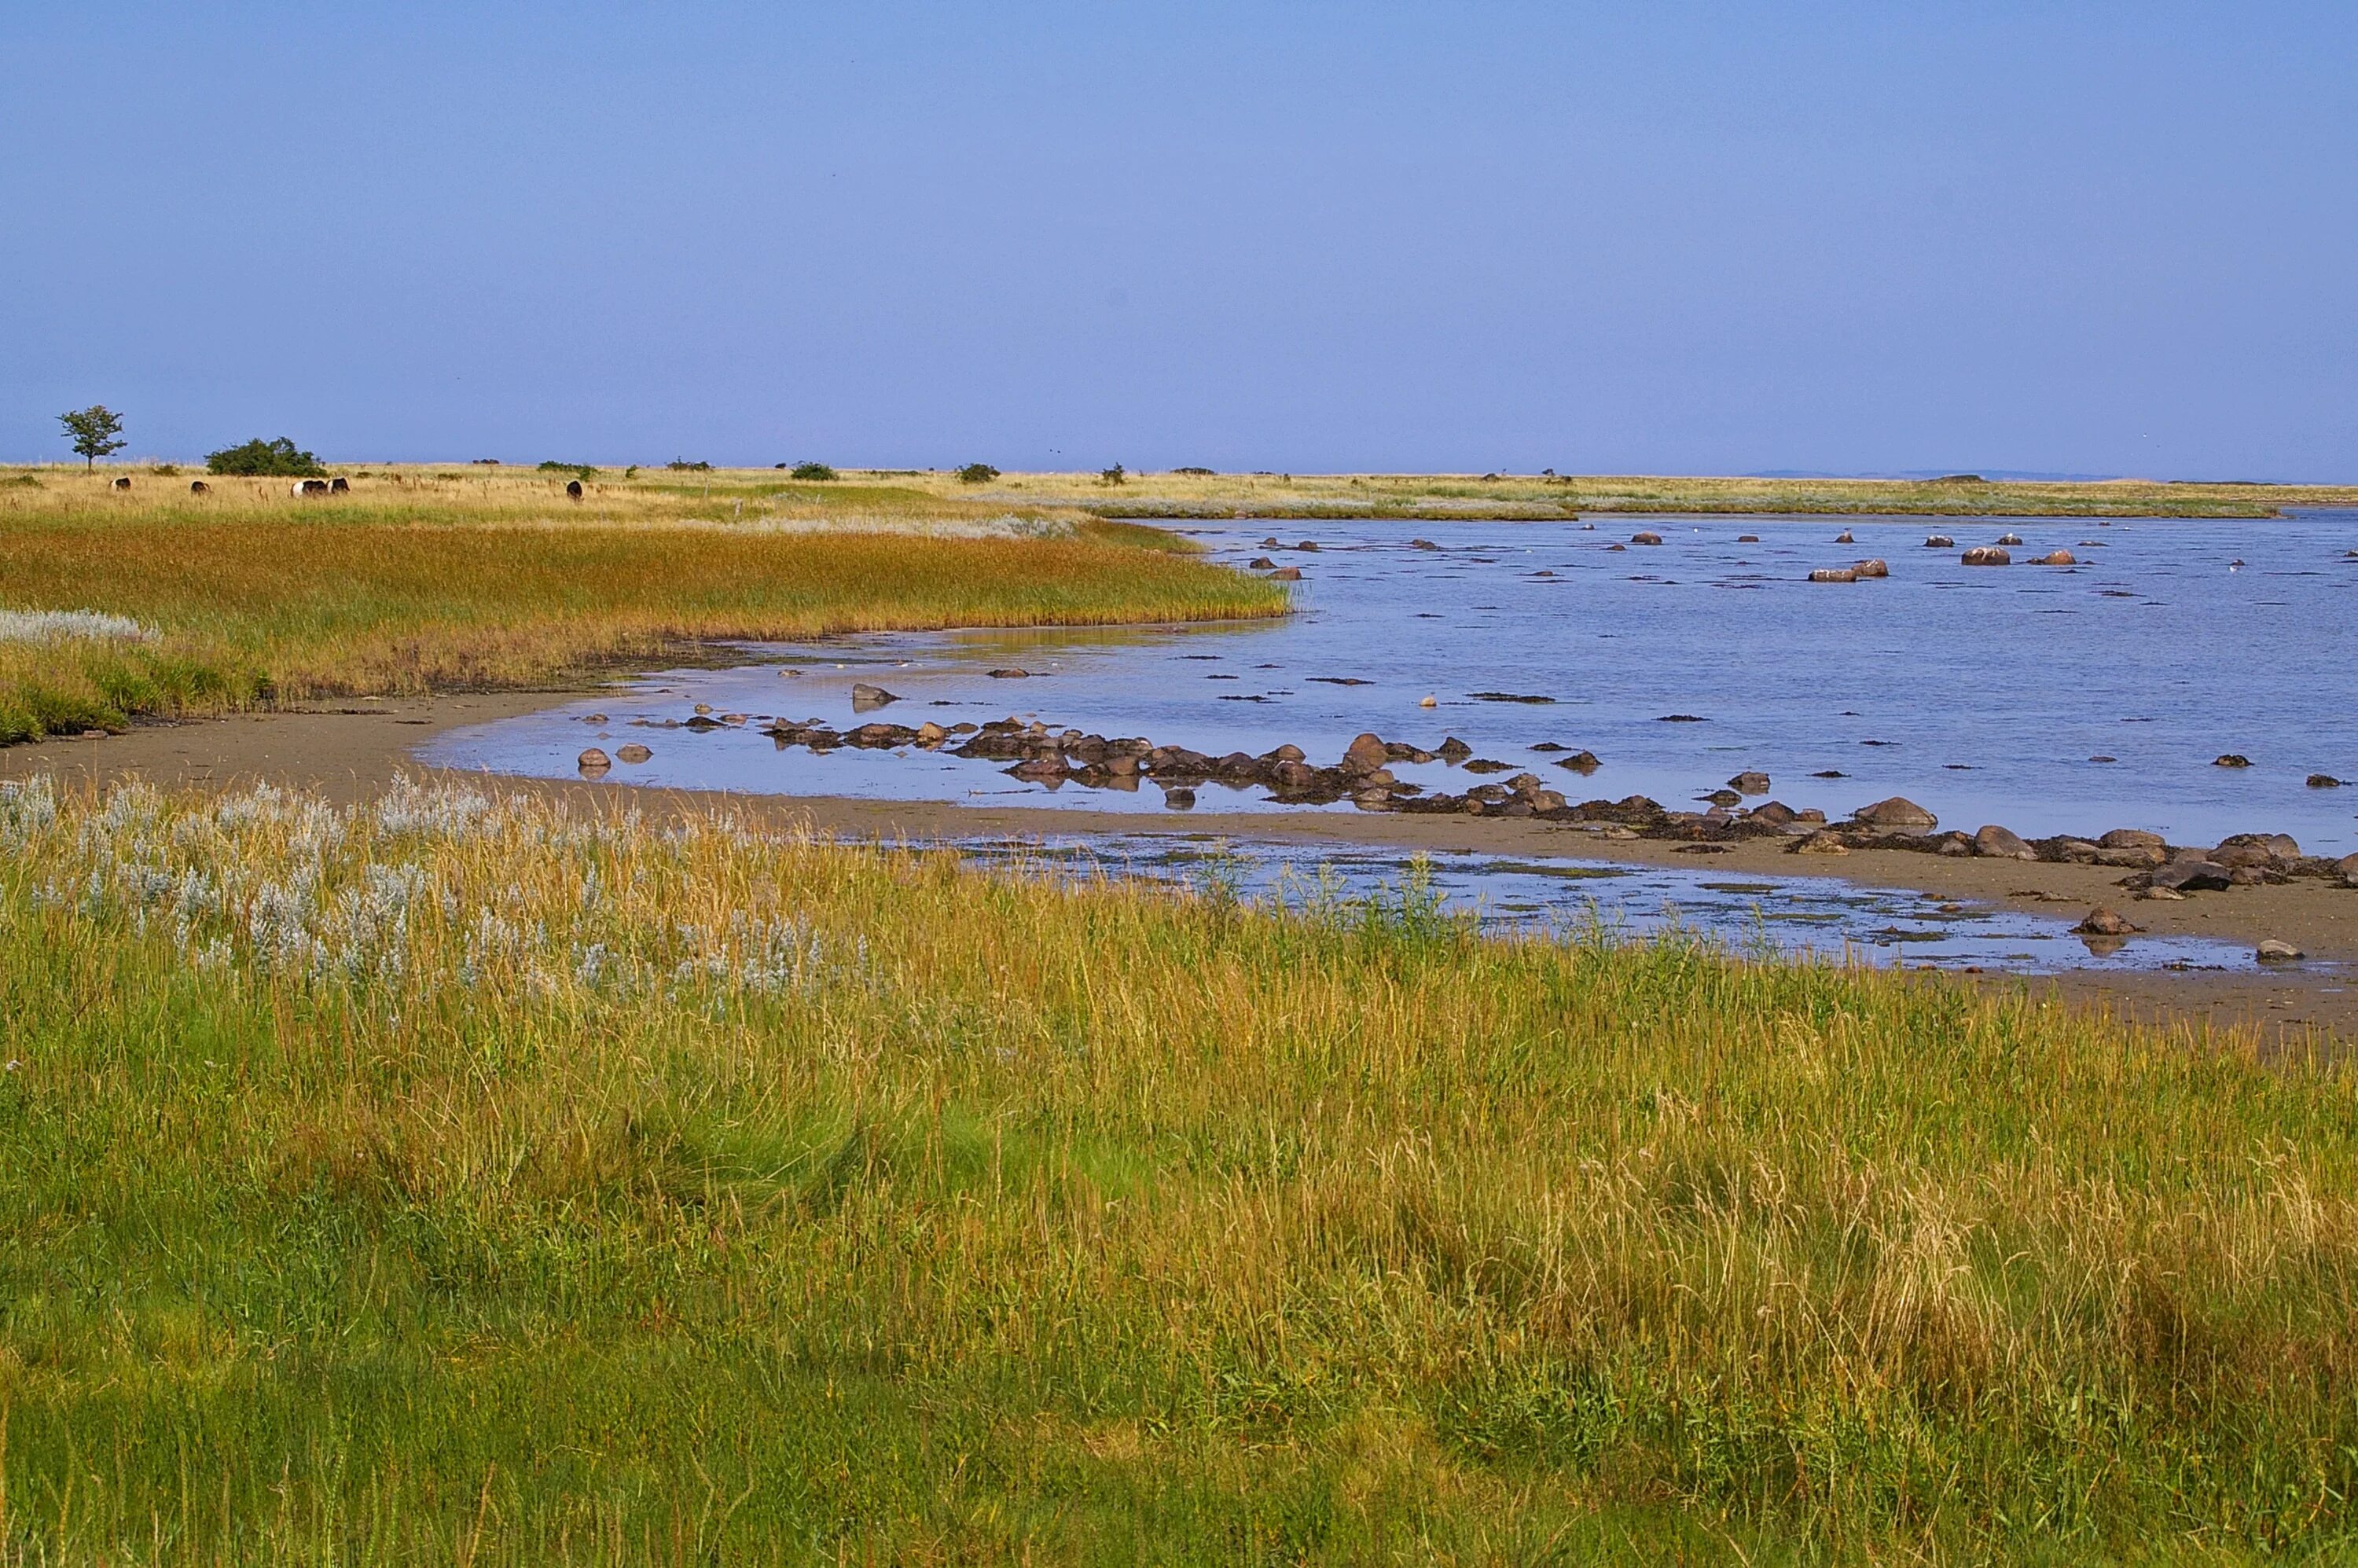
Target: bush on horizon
point(812, 471)
point(264, 459)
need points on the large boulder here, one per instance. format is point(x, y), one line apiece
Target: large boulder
point(865, 697)
point(1899, 814)
point(1366, 754)
point(1987, 556)
point(2131, 839)
point(1993, 842)
point(2192, 876)
point(2103, 922)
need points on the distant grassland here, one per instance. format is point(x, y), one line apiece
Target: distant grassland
point(429, 579)
point(456, 1180)
point(1443, 497)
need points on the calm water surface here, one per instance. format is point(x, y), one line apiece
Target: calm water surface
point(2049, 699)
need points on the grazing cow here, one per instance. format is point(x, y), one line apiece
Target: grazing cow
point(123, 484)
point(573, 489)
point(199, 487)
point(307, 487)
point(340, 485)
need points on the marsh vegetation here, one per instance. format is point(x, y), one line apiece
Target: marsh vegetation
point(427, 579)
point(459, 1177)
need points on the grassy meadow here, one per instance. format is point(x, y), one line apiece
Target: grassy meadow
point(1537, 497)
point(425, 580)
point(456, 1178)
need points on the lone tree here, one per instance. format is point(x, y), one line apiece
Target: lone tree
point(278, 459)
point(97, 432)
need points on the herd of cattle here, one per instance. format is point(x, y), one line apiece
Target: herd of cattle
point(336, 486)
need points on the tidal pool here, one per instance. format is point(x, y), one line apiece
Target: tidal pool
point(1792, 917)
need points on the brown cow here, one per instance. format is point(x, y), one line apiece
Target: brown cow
point(199, 487)
point(340, 485)
point(573, 489)
point(123, 484)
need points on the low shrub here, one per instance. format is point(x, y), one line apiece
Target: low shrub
point(260, 459)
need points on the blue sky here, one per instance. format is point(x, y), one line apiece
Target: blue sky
point(2086, 238)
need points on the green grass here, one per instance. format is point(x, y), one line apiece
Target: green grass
point(414, 584)
point(461, 1180)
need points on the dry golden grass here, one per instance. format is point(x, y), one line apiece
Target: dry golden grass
point(1443, 497)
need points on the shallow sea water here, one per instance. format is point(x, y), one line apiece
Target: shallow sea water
point(2048, 699)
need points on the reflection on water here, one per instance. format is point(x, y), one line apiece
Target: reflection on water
point(1788, 916)
point(2048, 698)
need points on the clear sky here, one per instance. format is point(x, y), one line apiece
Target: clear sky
point(1666, 237)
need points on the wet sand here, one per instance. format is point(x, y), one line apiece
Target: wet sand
point(350, 752)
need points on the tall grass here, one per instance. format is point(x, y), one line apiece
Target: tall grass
point(413, 583)
point(460, 1178)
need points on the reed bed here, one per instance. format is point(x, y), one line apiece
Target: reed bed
point(415, 583)
point(462, 1178)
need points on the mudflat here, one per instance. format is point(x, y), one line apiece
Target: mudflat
point(353, 749)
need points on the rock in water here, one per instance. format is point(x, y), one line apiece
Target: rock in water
point(1900, 813)
point(1844, 538)
point(1995, 842)
point(1833, 574)
point(2274, 951)
point(1750, 781)
point(633, 753)
point(2231, 759)
point(2056, 559)
point(1940, 542)
point(1286, 574)
point(1427, 700)
point(1871, 568)
point(2103, 922)
point(2009, 538)
point(1643, 537)
point(1987, 556)
point(594, 761)
point(865, 697)
point(2323, 781)
point(1365, 754)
